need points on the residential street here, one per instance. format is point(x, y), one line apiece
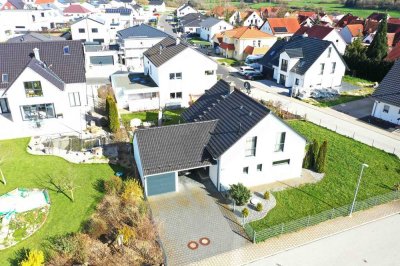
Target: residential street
point(370, 244)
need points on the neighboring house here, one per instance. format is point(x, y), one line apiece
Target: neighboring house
point(185, 9)
point(304, 64)
point(280, 27)
point(211, 26)
point(34, 37)
point(13, 5)
point(101, 61)
point(76, 11)
point(156, 5)
point(347, 20)
point(394, 54)
point(190, 23)
point(324, 33)
point(240, 42)
point(246, 18)
point(43, 86)
point(351, 32)
point(234, 138)
point(181, 72)
point(90, 29)
point(269, 12)
point(134, 41)
point(387, 97)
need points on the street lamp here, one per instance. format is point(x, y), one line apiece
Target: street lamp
point(358, 185)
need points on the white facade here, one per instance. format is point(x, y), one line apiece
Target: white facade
point(337, 40)
point(91, 30)
point(207, 33)
point(387, 112)
point(230, 167)
point(253, 19)
point(156, 8)
point(184, 10)
point(100, 62)
point(195, 77)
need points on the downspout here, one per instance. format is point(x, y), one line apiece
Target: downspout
point(218, 169)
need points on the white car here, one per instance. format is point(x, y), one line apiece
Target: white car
point(244, 70)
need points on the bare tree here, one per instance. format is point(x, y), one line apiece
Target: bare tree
point(66, 183)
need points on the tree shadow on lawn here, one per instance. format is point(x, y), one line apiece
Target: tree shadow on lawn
point(49, 184)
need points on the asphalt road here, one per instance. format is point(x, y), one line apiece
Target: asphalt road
point(374, 244)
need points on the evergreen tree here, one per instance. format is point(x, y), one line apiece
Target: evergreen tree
point(314, 155)
point(321, 160)
point(379, 47)
point(112, 114)
point(307, 159)
point(356, 50)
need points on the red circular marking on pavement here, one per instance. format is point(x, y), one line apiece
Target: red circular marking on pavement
point(204, 241)
point(192, 245)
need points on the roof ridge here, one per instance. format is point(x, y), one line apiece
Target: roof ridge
point(176, 125)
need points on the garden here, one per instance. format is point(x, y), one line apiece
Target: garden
point(170, 117)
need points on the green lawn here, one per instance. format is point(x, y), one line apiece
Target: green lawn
point(173, 117)
point(344, 160)
point(199, 41)
point(356, 81)
point(228, 61)
point(343, 98)
point(27, 171)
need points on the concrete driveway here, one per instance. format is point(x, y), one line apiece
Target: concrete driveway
point(196, 211)
point(357, 109)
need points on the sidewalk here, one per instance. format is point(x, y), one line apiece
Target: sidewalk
point(253, 252)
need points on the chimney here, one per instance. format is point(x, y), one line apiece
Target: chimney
point(178, 41)
point(231, 87)
point(161, 48)
point(36, 53)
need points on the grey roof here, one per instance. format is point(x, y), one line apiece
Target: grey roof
point(388, 90)
point(34, 37)
point(14, 58)
point(295, 53)
point(156, 2)
point(209, 22)
point(184, 6)
point(173, 148)
point(311, 48)
point(19, 4)
point(46, 72)
point(95, 19)
point(236, 113)
point(164, 51)
point(192, 20)
point(142, 30)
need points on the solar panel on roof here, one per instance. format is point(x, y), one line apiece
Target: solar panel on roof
point(119, 10)
point(280, 29)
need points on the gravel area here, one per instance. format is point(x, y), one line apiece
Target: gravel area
point(253, 213)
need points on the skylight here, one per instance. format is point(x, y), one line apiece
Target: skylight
point(66, 50)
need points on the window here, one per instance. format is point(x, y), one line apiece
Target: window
point(333, 67)
point(386, 108)
point(259, 43)
point(175, 75)
point(42, 14)
point(322, 66)
point(282, 162)
point(102, 60)
point(37, 111)
point(4, 78)
point(329, 51)
point(297, 82)
point(251, 145)
point(74, 99)
point(95, 30)
point(280, 141)
point(81, 30)
point(284, 64)
point(66, 50)
point(245, 170)
point(179, 95)
point(175, 95)
point(33, 89)
point(259, 167)
point(209, 72)
point(254, 43)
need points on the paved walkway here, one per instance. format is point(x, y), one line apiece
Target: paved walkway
point(276, 245)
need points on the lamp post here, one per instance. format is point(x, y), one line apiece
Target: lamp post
point(358, 185)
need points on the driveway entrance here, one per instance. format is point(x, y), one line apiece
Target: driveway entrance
point(196, 211)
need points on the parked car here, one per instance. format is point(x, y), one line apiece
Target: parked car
point(254, 76)
point(244, 70)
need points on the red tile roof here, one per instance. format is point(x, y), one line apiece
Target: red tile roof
point(291, 24)
point(247, 33)
point(316, 31)
point(227, 46)
point(390, 39)
point(355, 29)
point(394, 54)
point(371, 26)
point(43, 2)
point(345, 20)
point(76, 9)
point(307, 14)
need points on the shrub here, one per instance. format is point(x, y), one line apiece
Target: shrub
point(113, 185)
point(245, 212)
point(127, 232)
point(96, 227)
point(33, 258)
point(321, 160)
point(397, 187)
point(259, 207)
point(239, 193)
point(132, 190)
point(266, 195)
point(314, 153)
point(112, 109)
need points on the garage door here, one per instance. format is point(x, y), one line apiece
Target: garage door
point(158, 184)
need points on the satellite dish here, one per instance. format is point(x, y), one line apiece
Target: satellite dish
point(247, 86)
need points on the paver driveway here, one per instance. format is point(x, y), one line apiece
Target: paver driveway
point(196, 211)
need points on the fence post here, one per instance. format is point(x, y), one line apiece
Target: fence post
point(254, 236)
point(282, 227)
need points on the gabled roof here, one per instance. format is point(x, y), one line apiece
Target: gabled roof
point(388, 90)
point(34, 37)
point(376, 16)
point(345, 20)
point(370, 26)
point(141, 31)
point(41, 2)
point(283, 25)
point(250, 50)
point(174, 148)
point(164, 51)
point(185, 6)
point(46, 72)
point(355, 29)
point(209, 22)
point(18, 4)
point(247, 33)
point(93, 18)
point(192, 20)
point(76, 8)
point(236, 113)
point(316, 31)
point(227, 46)
point(14, 58)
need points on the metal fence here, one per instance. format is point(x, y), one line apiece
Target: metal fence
point(295, 225)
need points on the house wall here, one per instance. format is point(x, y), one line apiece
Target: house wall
point(88, 25)
point(31, 20)
point(136, 155)
point(234, 160)
point(254, 19)
point(267, 29)
point(346, 35)
point(104, 70)
point(337, 40)
point(72, 116)
point(191, 29)
point(393, 115)
point(206, 33)
point(185, 11)
point(157, 8)
point(241, 44)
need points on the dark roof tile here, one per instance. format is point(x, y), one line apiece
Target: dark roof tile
point(388, 90)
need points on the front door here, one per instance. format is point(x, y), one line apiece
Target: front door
point(4, 106)
point(282, 79)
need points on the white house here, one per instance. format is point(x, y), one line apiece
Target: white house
point(211, 26)
point(352, 32)
point(246, 18)
point(101, 61)
point(91, 29)
point(305, 64)
point(156, 5)
point(181, 72)
point(76, 11)
point(387, 97)
point(134, 41)
point(190, 23)
point(42, 88)
point(185, 9)
point(229, 135)
point(324, 33)
point(280, 27)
